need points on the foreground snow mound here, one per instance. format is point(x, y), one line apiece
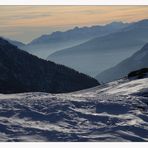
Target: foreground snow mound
point(116, 111)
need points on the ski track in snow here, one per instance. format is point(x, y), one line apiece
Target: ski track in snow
point(117, 111)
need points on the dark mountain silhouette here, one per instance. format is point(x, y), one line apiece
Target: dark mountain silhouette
point(136, 61)
point(100, 53)
point(22, 72)
point(141, 73)
point(47, 44)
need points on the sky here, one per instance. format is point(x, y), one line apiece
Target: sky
point(24, 23)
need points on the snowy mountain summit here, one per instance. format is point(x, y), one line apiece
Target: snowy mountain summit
point(115, 111)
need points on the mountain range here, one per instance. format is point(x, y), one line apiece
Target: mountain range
point(100, 53)
point(50, 43)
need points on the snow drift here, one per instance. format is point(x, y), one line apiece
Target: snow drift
point(116, 111)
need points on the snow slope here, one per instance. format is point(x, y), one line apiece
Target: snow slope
point(116, 111)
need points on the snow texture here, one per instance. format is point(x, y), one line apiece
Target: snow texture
point(116, 111)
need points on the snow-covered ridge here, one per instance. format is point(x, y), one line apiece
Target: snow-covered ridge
point(116, 111)
point(127, 87)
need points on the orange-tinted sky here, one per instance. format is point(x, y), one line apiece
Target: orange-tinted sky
point(27, 22)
